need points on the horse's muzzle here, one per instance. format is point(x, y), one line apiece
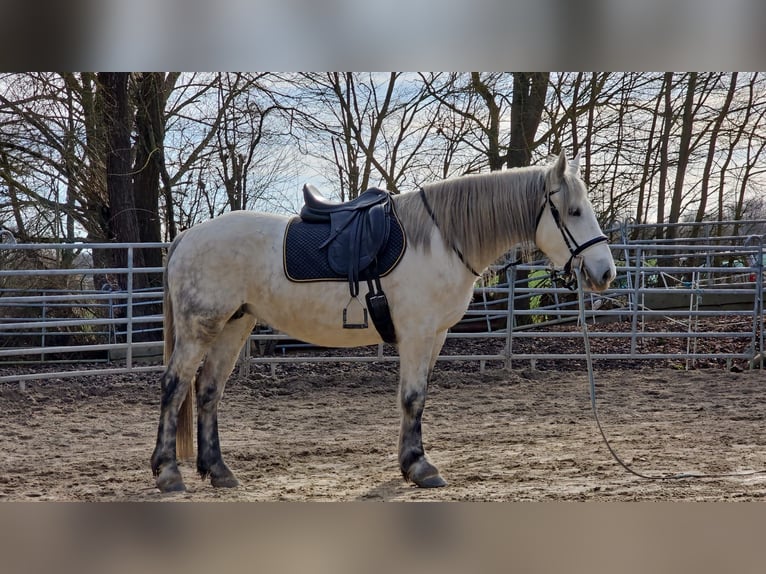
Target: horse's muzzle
point(598, 278)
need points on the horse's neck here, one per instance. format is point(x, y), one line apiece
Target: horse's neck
point(503, 217)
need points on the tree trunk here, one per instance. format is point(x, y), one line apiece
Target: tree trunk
point(122, 222)
point(684, 151)
point(492, 129)
point(712, 147)
point(667, 119)
point(150, 128)
point(731, 149)
point(644, 194)
point(529, 91)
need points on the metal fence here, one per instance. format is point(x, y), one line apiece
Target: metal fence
point(672, 301)
point(56, 307)
point(655, 299)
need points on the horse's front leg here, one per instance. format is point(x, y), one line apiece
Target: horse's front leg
point(416, 364)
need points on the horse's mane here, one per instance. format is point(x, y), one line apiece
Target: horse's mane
point(483, 215)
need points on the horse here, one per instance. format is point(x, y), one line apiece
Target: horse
point(225, 274)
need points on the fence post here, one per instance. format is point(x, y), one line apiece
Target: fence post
point(129, 313)
point(244, 358)
point(694, 305)
point(43, 331)
point(636, 306)
point(510, 276)
point(112, 328)
point(758, 310)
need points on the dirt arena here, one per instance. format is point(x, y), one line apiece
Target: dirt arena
point(329, 432)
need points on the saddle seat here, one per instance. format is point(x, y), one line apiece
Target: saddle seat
point(319, 209)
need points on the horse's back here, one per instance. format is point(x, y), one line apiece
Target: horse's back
point(229, 238)
point(213, 264)
point(235, 262)
point(232, 228)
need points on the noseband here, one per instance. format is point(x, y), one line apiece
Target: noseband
point(567, 278)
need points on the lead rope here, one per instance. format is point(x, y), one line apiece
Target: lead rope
point(592, 387)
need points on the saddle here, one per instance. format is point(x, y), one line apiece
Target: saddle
point(358, 235)
point(358, 230)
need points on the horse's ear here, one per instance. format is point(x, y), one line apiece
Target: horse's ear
point(559, 168)
point(576, 163)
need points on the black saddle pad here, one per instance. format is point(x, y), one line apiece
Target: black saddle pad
point(305, 261)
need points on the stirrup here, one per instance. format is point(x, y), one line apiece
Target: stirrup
point(364, 324)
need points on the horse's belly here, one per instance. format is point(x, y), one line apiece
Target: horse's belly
point(313, 312)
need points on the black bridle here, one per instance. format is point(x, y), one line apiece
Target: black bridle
point(567, 278)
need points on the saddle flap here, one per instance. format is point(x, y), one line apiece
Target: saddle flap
point(358, 238)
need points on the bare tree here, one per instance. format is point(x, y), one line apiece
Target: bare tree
point(150, 96)
point(711, 153)
point(241, 135)
point(657, 147)
point(223, 145)
point(45, 159)
point(684, 151)
point(481, 104)
point(118, 120)
point(369, 127)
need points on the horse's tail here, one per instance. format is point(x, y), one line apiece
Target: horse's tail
point(185, 428)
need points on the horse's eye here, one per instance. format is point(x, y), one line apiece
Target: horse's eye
point(574, 212)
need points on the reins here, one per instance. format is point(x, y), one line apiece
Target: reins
point(592, 388)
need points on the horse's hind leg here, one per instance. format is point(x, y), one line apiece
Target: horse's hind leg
point(416, 363)
point(215, 371)
point(175, 385)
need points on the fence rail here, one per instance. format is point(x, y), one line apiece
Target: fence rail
point(52, 309)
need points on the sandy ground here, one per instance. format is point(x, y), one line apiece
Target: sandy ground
point(329, 432)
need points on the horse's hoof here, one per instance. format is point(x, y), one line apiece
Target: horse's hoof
point(434, 481)
point(224, 481)
point(220, 475)
point(170, 480)
point(425, 475)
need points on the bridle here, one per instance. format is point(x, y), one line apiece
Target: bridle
point(567, 277)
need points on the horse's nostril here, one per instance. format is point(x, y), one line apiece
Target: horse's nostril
point(607, 276)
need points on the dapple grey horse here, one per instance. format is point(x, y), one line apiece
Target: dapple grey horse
point(224, 275)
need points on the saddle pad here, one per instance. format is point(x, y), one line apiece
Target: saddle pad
point(305, 261)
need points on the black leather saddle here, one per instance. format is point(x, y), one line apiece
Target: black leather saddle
point(358, 240)
point(359, 230)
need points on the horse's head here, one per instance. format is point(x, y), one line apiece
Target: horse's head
point(567, 230)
